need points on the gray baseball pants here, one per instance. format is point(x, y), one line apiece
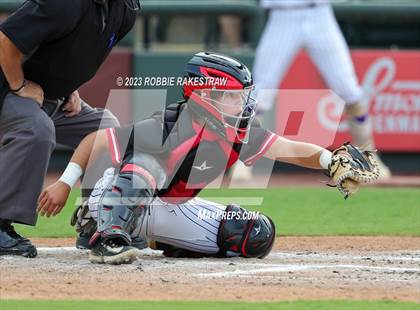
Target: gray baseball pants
point(28, 135)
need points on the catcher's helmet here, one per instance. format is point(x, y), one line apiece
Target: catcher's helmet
point(260, 239)
point(218, 88)
point(247, 238)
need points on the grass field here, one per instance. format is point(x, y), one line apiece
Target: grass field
point(303, 211)
point(143, 305)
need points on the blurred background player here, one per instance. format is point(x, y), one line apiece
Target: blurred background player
point(309, 24)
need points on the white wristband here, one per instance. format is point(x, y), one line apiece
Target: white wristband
point(72, 174)
point(325, 159)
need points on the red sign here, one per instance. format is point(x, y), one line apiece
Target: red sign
point(391, 84)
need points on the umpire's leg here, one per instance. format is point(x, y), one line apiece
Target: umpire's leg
point(27, 138)
point(26, 142)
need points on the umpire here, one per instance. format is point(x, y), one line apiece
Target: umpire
point(48, 49)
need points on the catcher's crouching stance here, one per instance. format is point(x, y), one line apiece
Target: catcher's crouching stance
point(170, 157)
point(123, 207)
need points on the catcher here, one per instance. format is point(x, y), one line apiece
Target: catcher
point(163, 162)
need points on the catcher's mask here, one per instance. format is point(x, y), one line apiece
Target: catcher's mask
point(218, 88)
point(131, 4)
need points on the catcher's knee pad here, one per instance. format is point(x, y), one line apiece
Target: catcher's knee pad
point(122, 205)
point(240, 236)
point(118, 215)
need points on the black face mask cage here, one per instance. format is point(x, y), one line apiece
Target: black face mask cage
point(240, 121)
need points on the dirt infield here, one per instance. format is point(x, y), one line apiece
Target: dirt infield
point(298, 268)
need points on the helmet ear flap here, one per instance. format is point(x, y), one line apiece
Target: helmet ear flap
point(240, 236)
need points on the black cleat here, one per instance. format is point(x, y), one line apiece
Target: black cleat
point(112, 253)
point(139, 243)
point(11, 243)
point(82, 242)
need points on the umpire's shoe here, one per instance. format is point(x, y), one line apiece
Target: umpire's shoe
point(11, 243)
point(110, 252)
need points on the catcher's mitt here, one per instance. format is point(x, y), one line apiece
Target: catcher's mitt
point(351, 166)
point(82, 219)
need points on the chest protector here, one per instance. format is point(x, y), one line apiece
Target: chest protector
point(197, 156)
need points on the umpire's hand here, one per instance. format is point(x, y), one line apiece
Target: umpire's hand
point(32, 91)
point(73, 106)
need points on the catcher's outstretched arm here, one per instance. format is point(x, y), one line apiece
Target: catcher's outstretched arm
point(299, 153)
point(347, 166)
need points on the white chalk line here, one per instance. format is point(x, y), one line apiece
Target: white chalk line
point(273, 254)
point(278, 279)
point(350, 257)
point(301, 256)
point(59, 249)
point(70, 250)
point(257, 268)
point(305, 267)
